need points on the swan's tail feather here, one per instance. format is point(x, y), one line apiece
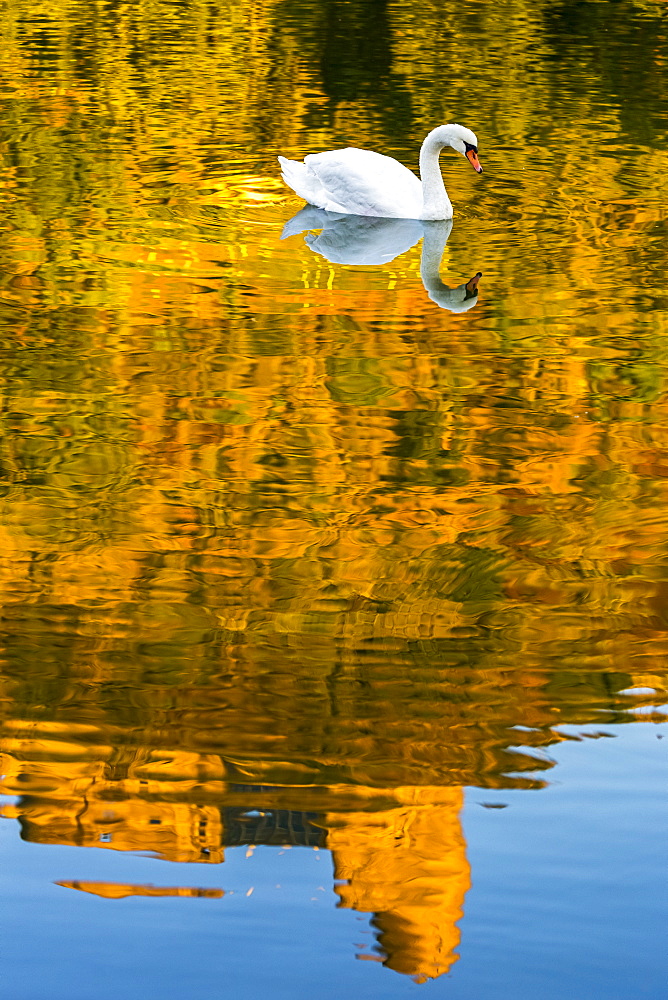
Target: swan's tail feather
point(302, 181)
point(290, 170)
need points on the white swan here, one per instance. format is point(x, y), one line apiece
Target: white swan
point(359, 182)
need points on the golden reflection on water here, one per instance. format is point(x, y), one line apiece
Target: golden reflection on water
point(288, 552)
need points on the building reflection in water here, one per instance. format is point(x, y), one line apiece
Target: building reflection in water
point(405, 863)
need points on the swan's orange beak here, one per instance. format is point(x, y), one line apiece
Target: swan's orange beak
point(472, 157)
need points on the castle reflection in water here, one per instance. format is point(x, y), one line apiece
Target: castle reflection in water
point(397, 854)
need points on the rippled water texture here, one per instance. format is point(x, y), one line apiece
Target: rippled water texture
point(332, 574)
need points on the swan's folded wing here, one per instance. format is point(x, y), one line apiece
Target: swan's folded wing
point(360, 182)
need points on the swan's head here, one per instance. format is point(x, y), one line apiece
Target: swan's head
point(464, 141)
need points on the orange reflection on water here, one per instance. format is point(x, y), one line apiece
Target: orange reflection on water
point(409, 868)
point(120, 890)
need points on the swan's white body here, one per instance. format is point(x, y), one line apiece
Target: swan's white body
point(359, 182)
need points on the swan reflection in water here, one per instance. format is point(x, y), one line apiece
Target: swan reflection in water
point(363, 239)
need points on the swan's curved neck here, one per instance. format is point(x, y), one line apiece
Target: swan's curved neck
point(435, 202)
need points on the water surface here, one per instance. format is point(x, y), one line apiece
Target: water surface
point(319, 568)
